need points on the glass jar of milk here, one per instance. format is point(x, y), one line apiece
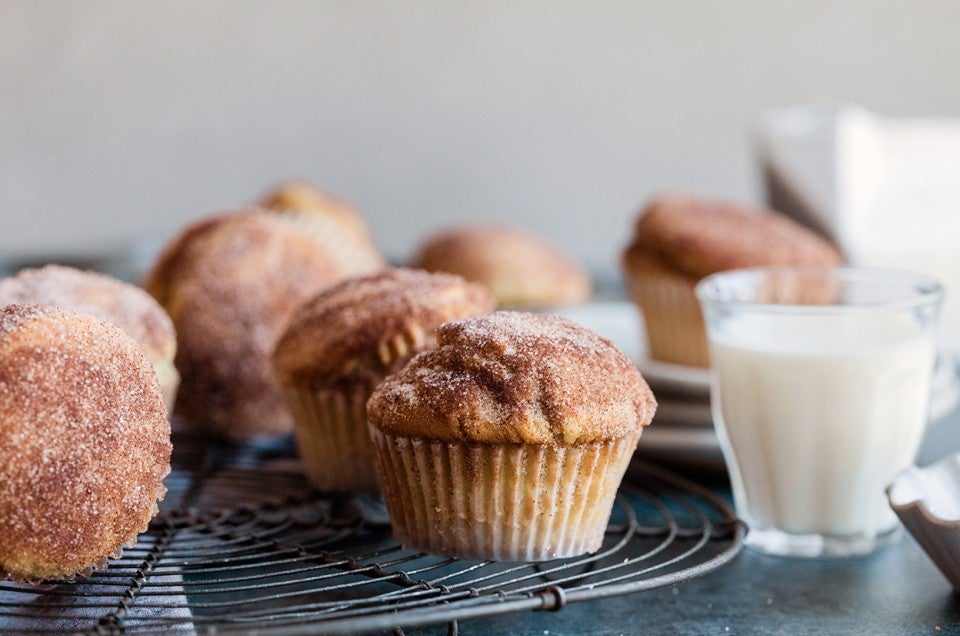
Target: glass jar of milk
point(821, 382)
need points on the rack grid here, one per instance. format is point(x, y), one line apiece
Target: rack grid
point(243, 543)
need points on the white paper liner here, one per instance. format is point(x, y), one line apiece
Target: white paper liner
point(671, 313)
point(514, 502)
point(354, 253)
point(330, 427)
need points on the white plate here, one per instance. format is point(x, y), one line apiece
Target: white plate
point(674, 412)
point(689, 446)
point(945, 391)
point(690, 382)
point(621, 323)
point(682, 431)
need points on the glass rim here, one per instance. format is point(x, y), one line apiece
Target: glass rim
point(927, 289)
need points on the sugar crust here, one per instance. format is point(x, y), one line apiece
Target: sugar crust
point(515, 377)
point(84, 442)
point(363, 328)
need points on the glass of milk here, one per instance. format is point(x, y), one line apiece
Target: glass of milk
point(821, 383)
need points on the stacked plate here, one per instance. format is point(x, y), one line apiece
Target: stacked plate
point(682, 432)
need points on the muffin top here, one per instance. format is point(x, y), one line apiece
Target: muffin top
point(515, 377)
point(363, 327)
point(303, 197)
point(247, 243)
point(522, 269)
point(172, 262)
point(126, 306)
point(696, 237)
point(84, 441)
point(230, 284)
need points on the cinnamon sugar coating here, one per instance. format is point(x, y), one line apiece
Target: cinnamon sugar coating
point(161, 277)
point(515, 377)
point(696, 237)
point(230, 284)
point(126, 306)
point(84, 442)
point(522, 269)
point(300, 196)
point(362, 328)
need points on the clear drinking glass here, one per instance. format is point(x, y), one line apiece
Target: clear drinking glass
point(820, 390)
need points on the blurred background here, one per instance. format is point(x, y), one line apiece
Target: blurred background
point(120, 121)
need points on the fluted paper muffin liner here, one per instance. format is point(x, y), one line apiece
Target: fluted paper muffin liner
point(330, 424)
point(354, 253)
point(330, 427)
point(671, 313)
point(507, 502)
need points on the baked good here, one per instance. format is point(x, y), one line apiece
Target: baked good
point(339, 345)
point(304, 197)
point(127, 306)
point(335, 224)
point(84, 442)
point(680, 239)
point(230, 283)
point(509, 439)
point(522, 269)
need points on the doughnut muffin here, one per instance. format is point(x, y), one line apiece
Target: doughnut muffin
point(679, 239)
point(84, 442)
point(339, 345)
point(335, 224)
point(126, 306)
point(523, 270)
point(229, 283)
point(509, 439)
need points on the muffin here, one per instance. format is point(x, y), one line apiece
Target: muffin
point(335, 224)
point(84, 442)
point(523, 270)
point(678, 240)
point(509, 439)
point(230, 283)
point(338, 346)
point(126, 306)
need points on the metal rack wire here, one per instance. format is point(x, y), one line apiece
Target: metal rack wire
point(243, 543)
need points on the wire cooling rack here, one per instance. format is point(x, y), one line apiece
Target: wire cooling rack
point(242, 543)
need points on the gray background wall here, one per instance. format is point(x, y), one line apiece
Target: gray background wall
point(120, 120)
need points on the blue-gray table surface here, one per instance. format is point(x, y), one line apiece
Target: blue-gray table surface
point(896, 590)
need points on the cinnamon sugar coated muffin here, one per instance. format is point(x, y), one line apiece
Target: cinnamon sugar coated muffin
point(522, 269)
point(84, 442)
point(335, 224)
point(126, 306)
point(339, 345)
point(680, 239)
point(230, 282)
point(300, 196)
point(509, 440)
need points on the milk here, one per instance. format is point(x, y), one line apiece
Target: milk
point(820, 413)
